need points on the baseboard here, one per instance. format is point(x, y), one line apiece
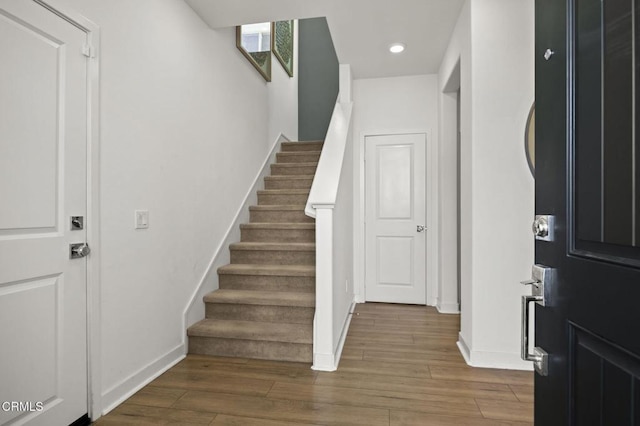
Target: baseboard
point(119, 393)
point(448, 308)
point(330, 361)
point(485, 359)
point(194, 311)
point(464, 349)
point(343, 334)
point(323, 362)
point(502, 360)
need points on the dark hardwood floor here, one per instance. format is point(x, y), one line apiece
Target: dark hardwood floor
point(400, 366)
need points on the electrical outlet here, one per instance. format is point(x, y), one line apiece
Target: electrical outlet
point(141, 219)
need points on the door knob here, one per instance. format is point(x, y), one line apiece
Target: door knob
point(421, 228)
point(79, 250)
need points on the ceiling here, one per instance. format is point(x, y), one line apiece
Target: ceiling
point(362, 30)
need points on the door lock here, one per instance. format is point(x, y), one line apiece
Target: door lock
point(539, 282)
point(543, 226)
point(421, 228)
point(77, 223)
point(78, 250)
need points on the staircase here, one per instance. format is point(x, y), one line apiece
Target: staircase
point(266, 302)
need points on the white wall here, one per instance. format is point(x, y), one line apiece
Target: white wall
point(283, 96)
point(390, 105)
point(186, 123)
point(494, 43)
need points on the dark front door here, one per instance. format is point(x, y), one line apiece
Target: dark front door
point(588, 178)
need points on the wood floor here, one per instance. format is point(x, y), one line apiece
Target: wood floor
point(400, 366)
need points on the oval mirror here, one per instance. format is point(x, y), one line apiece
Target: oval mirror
point(254, 41)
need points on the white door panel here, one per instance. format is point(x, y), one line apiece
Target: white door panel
point(395, 206)
point(43, 135)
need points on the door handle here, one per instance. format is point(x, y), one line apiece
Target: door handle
point(79, 250)
point(538, 356)
point(541, 275)
point(421, 228)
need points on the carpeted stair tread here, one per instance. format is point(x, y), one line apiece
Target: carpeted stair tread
point(278, 207)
point(283, 191)
point(279, 213)
point(297, 157)
point(273, 246)
point(294, 165)
point(264, 298)
point(270, 225)
point(252, 330)
point(288, 182)
point(270, 270)
point(302, 146)
point(289, 177)
point(299, 153)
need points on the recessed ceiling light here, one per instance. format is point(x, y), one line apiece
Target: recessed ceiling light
point(396, 47)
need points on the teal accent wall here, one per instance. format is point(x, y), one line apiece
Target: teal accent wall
point(318, 81)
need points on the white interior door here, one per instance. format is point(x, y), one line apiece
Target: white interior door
point(43, 181)
point(395, 209)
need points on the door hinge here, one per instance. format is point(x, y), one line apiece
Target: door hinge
point(89, 51)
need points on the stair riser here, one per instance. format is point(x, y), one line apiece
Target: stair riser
point(274, 216)
point(279, 235)
point(278, 351)
point(282, 199)
point(273, 257)
point(281, 170)
point(310, 157)
point(288, 184)
point(274, 314)
point(297, 147)
point(268, 283)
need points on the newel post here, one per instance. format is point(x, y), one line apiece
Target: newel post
point(323, 351)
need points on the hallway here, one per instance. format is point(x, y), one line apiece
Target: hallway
point(400, 366)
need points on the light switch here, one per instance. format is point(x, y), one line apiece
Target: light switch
point(142, 219)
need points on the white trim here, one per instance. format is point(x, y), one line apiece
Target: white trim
point(343, 334)
point(346, 80)
point(464, 349)
point(122, 391)
point(330, 361)
point(94, 325)
point(323, 362)
point(431, 212)
point(209, 281)
point(483, 359)
point(502, 360)
point(448, 308)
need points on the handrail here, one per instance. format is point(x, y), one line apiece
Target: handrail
point(324, 189)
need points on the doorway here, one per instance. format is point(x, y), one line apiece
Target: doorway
point(48, 128)
point(395, 220)
point(448, 292)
